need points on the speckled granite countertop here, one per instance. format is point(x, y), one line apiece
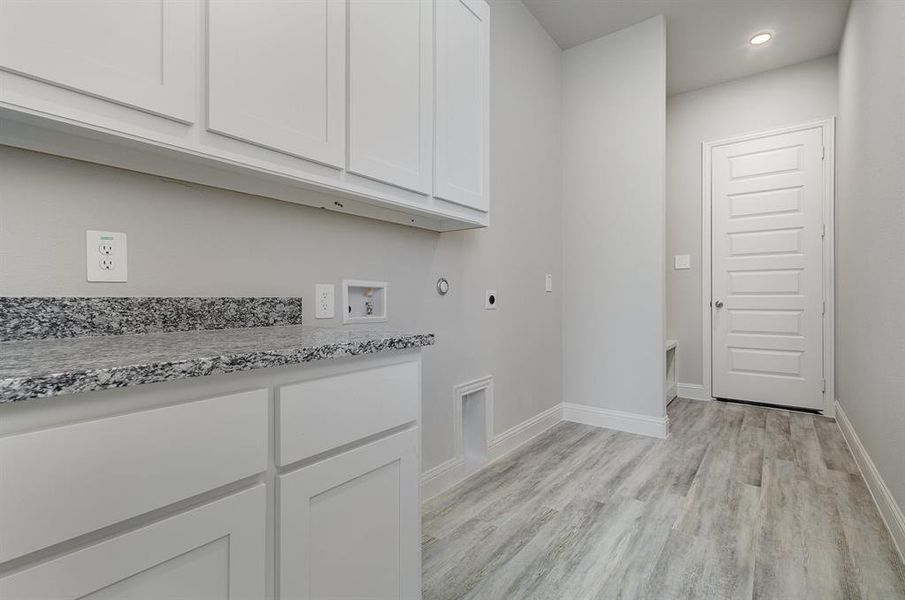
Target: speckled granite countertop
point(51, 346)
point(50, 367)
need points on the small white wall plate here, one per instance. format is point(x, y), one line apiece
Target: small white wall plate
point(106, 256)
point(357, 294)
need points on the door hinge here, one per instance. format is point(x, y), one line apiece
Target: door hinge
point(824, 308)
point(823, 388)
point(823, 233)
point(823, 153)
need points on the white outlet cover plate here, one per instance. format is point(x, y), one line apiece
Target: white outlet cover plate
point(683, 261)
point(548, 282)
point(491, 300)
point(324, 300)
point(106, 256)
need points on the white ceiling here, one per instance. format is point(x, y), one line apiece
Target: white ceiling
point(707, 40)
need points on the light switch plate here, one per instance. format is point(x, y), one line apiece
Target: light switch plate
point(683, 261)
point(106, 256)
point(548, 282)
point(324, 300)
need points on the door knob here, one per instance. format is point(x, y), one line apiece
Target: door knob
point(718, 304)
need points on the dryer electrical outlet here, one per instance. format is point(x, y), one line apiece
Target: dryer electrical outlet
point(106, 256)
point(490, 300)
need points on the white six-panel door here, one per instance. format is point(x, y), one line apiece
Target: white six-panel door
point(767, 262)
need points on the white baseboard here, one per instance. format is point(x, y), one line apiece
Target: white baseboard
point(514, 437)
point(437, 480)
point(447, 474)
point(692, 391)
point(615, 419)
point(442, 477)
point(886, 504)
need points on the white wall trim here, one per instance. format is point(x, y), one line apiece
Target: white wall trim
point(442, 477)
point(693, 391)
point(459, 392)
point(890, 512)
point(828, 127)
point(437, 480)
point(657, 427)
point(447, 474)
point(512, 438)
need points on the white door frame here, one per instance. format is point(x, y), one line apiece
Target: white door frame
point(828, 127)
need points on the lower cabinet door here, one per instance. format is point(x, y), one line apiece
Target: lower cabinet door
point(214, 551)
point(350, 525)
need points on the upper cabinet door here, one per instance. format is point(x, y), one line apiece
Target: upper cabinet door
point(463, 82)
point(390, 91)
point(139, 53)
point(276, 75)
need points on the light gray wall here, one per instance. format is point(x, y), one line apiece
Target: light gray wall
point(191, 240)
point(870, 234)
point(614, 102)
point(786, 96)
point(521, 342)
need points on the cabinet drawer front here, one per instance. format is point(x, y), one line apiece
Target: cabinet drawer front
point(213, 551)
point(318, 415)
point(60, 483)
point(350, 525)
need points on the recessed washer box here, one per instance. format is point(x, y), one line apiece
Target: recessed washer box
point(364, 301)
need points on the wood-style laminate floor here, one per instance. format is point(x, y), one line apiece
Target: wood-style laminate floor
point(739, 502)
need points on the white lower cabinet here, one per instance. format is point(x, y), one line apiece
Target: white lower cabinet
point(143, 504)
point(215, 551)
point(350, 525)
point(62, 482)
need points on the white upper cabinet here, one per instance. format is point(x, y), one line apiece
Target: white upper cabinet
point(381, 103)
point(276, 75)
point(462, 73)
point(141, 53)
point(390, 91)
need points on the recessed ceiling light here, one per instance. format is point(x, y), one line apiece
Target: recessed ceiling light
point(761, 38)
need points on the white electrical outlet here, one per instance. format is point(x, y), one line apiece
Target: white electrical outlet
point(106, 256)
point(324, 300)
point(491, 300)
point(548, 282)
